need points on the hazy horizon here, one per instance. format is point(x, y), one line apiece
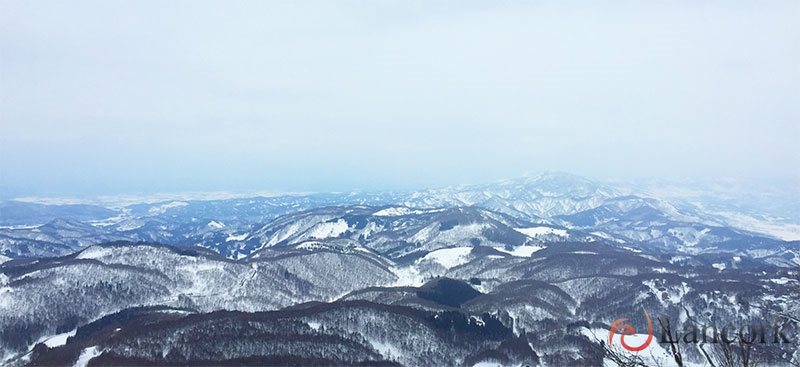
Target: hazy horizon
point(760, 193)
point(143, 97)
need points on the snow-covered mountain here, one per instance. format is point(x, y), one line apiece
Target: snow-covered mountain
point(400, 232)
point(89, 304)
point(545, 195)
point(521, 272)
point(239, 227)
point(772, 208)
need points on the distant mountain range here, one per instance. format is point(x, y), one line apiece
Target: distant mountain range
point(522, 272)
point(236, 227)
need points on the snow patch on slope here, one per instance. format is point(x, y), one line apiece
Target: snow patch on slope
point(161, 209)
point(520, 251)
point(541, 231)
point(448, 257)
point(386, 349)
point(87, 355)
point(400, 211)
point(784, 231)
point(328, 229)
point(408, 276)
point(434, 234)
point(216, 225)
point(95, 252)
point(57, 340)
point(233, 237)
point(130, 225)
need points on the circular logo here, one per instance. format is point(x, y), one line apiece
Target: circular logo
point(626, 329)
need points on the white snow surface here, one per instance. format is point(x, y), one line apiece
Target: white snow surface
point(87, 355)
point(130, 225)
point(58, 340)
point(433, 235)
point(784, 231)
point(520, 251)
point(400, 211)
point(448, 257)
point(782, 280)
point(328, 229)
point(95, 252)
point(386, 349)
point(233, 237)
point(408, 276)
point(216, 225)
point(161, 209)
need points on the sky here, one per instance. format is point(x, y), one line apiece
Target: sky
point(123, 97)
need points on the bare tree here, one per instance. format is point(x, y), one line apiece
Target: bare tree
point(626, 359)
point(674, 345)
point(620, 358)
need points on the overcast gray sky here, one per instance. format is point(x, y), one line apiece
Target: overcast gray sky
point(156, 96)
